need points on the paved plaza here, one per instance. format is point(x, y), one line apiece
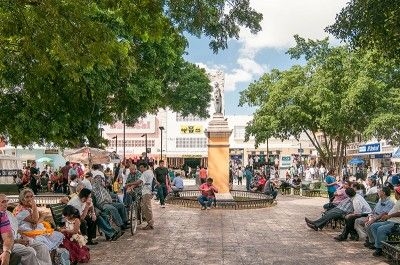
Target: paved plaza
point(274, 235)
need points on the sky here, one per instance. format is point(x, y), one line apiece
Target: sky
point(248, 58)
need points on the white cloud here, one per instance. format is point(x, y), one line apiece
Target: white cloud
point(282, 20)
point(285, 18)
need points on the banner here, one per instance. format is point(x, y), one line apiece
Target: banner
point(192, 129)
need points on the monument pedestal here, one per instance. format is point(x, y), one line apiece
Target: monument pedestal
point(218, 133)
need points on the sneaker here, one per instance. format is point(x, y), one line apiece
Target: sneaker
point(203, 207)
point(163, 206)
point(208, 208)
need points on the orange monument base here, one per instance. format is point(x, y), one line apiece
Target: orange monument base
point(218, 133)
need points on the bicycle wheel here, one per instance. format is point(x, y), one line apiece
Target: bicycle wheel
point(133, 217)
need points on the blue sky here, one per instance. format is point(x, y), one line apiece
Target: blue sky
point(248, 58)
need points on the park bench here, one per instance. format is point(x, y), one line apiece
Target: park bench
point(56, 213)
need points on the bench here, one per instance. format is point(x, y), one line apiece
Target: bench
point(56, 212)
point(9, 189)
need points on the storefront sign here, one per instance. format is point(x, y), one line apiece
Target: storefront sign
point(192, 129)
point(9, 173)
point(370, 148)
point(286, 161)
point(389, 155)
point(51, 151)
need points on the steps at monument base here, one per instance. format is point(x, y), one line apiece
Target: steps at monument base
point(225, 200)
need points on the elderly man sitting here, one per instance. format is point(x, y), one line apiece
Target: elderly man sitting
point(363, 224)
point(380, 230)
point(104, 202)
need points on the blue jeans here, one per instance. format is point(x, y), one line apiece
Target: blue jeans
point(162, 193)
point(205, 201)
point(117, 211)
point(105, 226)
point(248, 182)
point(380, 231)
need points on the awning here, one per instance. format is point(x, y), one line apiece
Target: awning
point(356, 161)
point(396, 154)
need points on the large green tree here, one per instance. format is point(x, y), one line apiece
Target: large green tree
point(68, 66)
point(370, 24)
point(332, 99)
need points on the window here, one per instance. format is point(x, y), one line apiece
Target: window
point(191, 142)
point(132, 143)
point(190, 117)
point(239, 132)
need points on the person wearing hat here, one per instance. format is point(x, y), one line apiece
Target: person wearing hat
point(380, 230)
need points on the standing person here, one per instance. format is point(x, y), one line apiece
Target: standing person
point(203, 175)
point(161, 174)
point(331, 184)
point(65, 172)
point(240, 176)
point(249, 177)
point(322, 172)
point(34, 172)
point(74, 242)
point(207, 196)
point(146, 180)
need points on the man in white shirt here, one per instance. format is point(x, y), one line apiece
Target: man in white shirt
point(97, 172)
point(145, 180)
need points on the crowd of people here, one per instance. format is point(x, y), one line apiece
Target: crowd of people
point(366, 206)
point(95, 199)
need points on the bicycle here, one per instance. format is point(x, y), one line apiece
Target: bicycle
point(135, 210)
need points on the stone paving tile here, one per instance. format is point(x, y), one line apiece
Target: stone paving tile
point(272, 236)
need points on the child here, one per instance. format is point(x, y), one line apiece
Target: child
point(74, 242)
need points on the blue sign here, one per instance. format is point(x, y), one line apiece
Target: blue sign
point(370, 148)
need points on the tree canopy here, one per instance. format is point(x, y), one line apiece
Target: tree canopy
point(68, 66)
point(339, 94)
point(370, 24)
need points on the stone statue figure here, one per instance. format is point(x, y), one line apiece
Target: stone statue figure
point(217, 98)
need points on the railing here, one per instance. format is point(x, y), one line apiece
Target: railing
point(242, 200)
point(40, 199)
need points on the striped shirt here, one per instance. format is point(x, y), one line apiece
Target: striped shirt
point(346, 205)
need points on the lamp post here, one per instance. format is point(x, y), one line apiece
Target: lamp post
point(116, 142)
point(161, 129)
point(145, 142)
point(123, 159)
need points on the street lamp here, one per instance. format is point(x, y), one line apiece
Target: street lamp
point(161, 129)
point(145, 142)
point(116, 142)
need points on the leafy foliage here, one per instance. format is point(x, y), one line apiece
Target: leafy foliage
point(68, 66)
point(339, 94)
point(370, 24)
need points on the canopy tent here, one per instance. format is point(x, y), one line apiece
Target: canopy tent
point(45, 160)
point(356, 161)
point(88, 155)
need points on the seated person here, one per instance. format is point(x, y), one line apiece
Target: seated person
point(360, 208)
point(260, 184)
point(383, 206)
point(371, 187)
point(30, 225)
point(296, 182)
point(31, 252)
point(207, 196)
point(269, 188)
point(104, 202)
point(343, 208)
point(338, 196)
point(380, 230)
point(177, 184)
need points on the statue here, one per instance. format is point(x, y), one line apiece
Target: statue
point(217, 98)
